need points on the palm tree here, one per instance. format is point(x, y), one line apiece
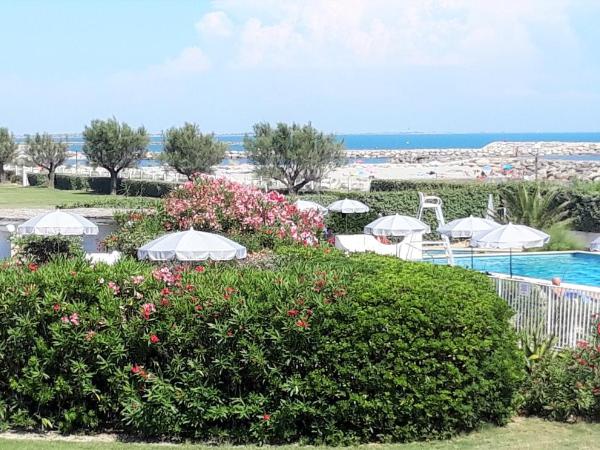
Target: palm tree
point(536, 206)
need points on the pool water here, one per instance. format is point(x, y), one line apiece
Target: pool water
point(572, 267)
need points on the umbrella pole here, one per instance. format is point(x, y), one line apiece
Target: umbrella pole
point(510, 261)
point(346, 216)
point(472, 263)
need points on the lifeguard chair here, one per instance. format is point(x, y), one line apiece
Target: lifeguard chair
point(435, 203)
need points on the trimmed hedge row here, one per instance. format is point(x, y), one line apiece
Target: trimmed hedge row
point(101, 185)
point(309, 346)
point(457, 203)
point(584, 206)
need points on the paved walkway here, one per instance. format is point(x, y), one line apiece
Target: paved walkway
point(7, 215)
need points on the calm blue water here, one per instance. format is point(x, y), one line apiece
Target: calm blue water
point(578, 268)
point(395, 141)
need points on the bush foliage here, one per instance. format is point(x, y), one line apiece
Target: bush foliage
point(319, 348)
point(566, 387)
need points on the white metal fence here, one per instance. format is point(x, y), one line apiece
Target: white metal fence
point(565, 311)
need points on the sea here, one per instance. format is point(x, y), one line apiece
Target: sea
point(383, 141)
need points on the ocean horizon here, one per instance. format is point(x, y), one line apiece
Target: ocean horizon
point(379, 141)
point(388, 141)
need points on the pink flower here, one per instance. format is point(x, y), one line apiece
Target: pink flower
point(64, 319)
point(137, 279)
point(74, 319)
point(56, 307)
point(154, 339)
point(114, 287)
point(147, 309)
point(582, 344)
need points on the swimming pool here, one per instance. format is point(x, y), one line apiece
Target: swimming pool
point(571, 267)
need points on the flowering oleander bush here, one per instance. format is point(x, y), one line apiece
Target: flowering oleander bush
point(249, 216)
point(222, 205)
point(566, 387)
point(318, 348)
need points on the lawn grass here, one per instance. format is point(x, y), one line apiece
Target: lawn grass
point(14, 196)
point(520, 434)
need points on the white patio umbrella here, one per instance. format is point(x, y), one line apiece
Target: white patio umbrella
point(58, 223)
point(510, 236)
point(347, 206)
point(307, 205)
point(191, 245)
point(396, 225)
point(595, 245)
point(466, 228)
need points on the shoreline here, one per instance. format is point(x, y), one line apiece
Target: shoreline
point(526, 158)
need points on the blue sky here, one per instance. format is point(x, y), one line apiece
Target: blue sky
point(345, 65)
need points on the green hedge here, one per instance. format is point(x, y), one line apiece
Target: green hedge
point(428, 185)
point(584, 205)
point(101, 185)
point(457, 203)
point(316, 347)
point(11, 176)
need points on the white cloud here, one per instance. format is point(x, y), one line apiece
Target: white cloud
point(215, 23)
point(191, 60)
point(364, 33)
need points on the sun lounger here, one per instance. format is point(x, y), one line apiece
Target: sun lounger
point(409, 248)
point(107, 258)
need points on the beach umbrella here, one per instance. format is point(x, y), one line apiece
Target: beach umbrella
point(510, 236)
point(191, 245)
point(307, 205)
point(396, 225)
point(58, 223)
point(347, 206)
point(466, 228)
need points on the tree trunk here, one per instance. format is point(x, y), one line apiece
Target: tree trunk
point(51, 179)
point(2, 173)
point(296, 188)
point(113, 182)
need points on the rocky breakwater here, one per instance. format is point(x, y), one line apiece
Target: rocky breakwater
point(529, 160)
point(494, 150)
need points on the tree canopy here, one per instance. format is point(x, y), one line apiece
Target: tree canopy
point(293, 154)
point(47, 153)
point(189, 151)
point(114, 146)
point(8, 150)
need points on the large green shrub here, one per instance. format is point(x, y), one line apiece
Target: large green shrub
point(319, 347)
